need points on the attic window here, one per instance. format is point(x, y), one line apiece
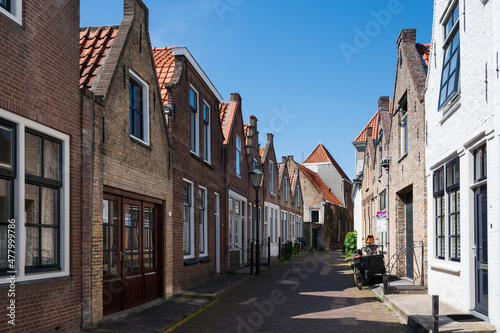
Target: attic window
point(315, 215)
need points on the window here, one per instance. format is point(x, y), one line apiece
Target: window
point(12, 9)
point(315, 215)
point(187, 198)
point(284, 226)
point(299, 226)
point(206, 132)
point(271, 177)
point(139, 108)
point(382, 201)
point(367, 173)
point(236, 219)
point(404, 126)
point(193, 102)
point(439, 212)
point(255, 164)
point(202, 209)
point(250, 221)
point(238, 156)
point(480, 172)
point(298, 196)
point(285, 183)
point(453, 193)
point(450, 77)
point(380, 151)
point(34, 197)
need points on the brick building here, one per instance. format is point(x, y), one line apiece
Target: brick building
point(237, 194)
point(462, 157)
point(48, 202)
point(192, 104)
point(131, 168)
point(290, 200)
point(270, 195)
point(407, 185)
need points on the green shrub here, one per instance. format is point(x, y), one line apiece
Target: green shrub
point(350, 243)
point(290, 250)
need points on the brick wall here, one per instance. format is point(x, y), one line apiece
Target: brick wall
point(39, 81)
point(121, 161)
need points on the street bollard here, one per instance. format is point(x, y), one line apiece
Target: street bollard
point(251, 258)
point(435, 313)
point(386, 284)
point(269, 251)
point(279, 248)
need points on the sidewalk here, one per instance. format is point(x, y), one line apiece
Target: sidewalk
point(159, 316)
point(415, 310)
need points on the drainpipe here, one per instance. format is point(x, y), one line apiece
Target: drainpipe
point(385, 165)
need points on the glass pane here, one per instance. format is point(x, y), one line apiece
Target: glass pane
point(32, 246)
point(105, 238)
point(49, 245)
point(113, 213)
point(3, 246)
point(193, 99)
point(135, 237)
point(135, 216)
point(446, 71)
point(147, 215)
point(113, 238)
point(51, 160)
point(105, 263)
point(128, 238)
point(32, 204)
point(105, 211)
point(113, 267)
point(6, 147)
point(33, 151)
point(135, 262)
point(453, 62)
point(187, 230)
point(456, 41)
point(49, 206)
point(187, 193)
point(5, 200)
point(442, 94)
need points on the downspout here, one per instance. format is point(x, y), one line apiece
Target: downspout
point(385, 165)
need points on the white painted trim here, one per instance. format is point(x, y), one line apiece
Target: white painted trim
point(185, 52)
point(16, 13)
point(191, 255)
point(19, 194)
point(205, 231)
point(217, 231)
point(145, 106)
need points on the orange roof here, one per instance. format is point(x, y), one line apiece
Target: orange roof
point(321, 155)
point(373, 123)
point(319, 185)
point(291, 176)
point(165, 65)
point(424, 51)
point(245, 129)
point(261, 150)
point(95, 43)
point(223, 111)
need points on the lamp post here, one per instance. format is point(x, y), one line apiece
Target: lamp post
point(257, 177)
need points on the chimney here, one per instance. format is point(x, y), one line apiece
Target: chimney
point(383, 104)
point(270, 137)
point(235, 97)
point(290, 157)
point(283, 159)
point(407, 36)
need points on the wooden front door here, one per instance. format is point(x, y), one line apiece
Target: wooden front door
point(131, 265)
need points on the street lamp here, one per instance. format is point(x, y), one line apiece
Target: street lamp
point(257, 177)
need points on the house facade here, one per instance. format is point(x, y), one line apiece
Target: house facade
point(131, 169)
point(44, 170)
point(291, 201)
point(462, 159)
point(192, 102)
point(407, 186)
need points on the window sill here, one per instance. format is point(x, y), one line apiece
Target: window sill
point(403, 157)
point(196, 156)
point(451, 268)
point(139, 141)
point(190, 261)
point(449, 108)
point(205, 259)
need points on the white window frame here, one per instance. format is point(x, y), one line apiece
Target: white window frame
point(250, 222)
point(207, 143)
point(145, 106)
point(191, 222)
point(298, 196)
point(286, 188)
point(217, 231)
point(299, 222)
point(319, 215)
point(238, 155)
point(197, 122)
point(19, 199)
point(204, 251)
point(235, 196)
point(271, 177)
point(16, 11)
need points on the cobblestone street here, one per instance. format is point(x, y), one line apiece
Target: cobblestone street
point(313, 293)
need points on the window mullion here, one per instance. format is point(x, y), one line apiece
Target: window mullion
point(19, 203)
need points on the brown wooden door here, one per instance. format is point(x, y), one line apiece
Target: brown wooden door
point(131, 274)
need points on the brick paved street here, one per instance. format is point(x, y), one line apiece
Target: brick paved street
point(313, 293)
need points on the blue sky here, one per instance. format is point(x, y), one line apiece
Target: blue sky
point(310, 71)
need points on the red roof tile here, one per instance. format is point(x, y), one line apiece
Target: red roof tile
point(291, 176)
point(261, 150)
point(319, 185)
point(95, 43)
point(373, 123)
point(321, 155)
point(223, 111)
point(424, 51)
point(165, 65)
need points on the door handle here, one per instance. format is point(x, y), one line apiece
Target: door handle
point(121, 255)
